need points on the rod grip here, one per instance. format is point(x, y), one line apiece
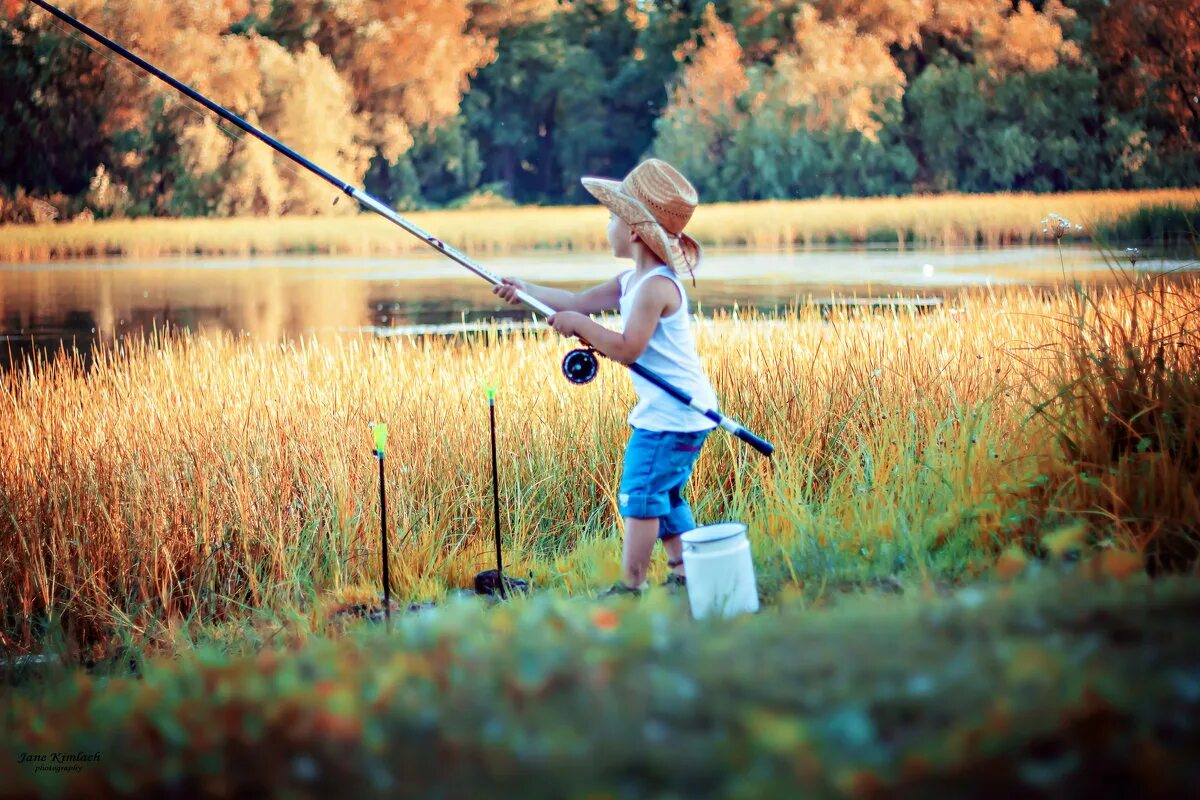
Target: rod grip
point(761, 445)
point(535, 304)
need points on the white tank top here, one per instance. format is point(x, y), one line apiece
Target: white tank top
point(671, 353)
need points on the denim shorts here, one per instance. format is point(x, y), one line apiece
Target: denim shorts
point(657, 465)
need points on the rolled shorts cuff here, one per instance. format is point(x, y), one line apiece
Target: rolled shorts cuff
point(679, 520)
point(643, 506)
point(657, 467)
point(671, 521)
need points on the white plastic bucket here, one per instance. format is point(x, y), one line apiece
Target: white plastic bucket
point(720, 574)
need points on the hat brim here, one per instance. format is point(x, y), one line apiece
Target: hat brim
point(680, 253)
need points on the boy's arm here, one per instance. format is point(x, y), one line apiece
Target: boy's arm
point(605, 297)
point(653, 298)
point(590, 301)
point(558, 299)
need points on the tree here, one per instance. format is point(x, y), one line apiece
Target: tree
point(497, 18)
point(841, 74)
point(1006, 34)
point(699, 123)
point(443, 165)
point(1029, 131)
point(574, 94)
point(48, 86)
point(407, 62)
point(1148, 55)
point(1028, 39)
point(428, 101)
point(302, 100)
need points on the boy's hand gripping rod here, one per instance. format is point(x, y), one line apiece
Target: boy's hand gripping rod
point(762, 446)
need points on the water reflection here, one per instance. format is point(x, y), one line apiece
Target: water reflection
point(47, 307)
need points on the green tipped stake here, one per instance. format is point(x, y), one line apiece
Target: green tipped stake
point(380, 433)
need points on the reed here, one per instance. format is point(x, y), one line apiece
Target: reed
point(1126, 419)
point(921, 221)
point(186, 478)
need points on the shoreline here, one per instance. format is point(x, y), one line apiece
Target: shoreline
point(949, 220)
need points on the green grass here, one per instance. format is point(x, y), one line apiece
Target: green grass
point(1170, 227)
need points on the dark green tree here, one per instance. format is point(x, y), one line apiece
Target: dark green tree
point(51, 115)
point(577, 94)
point(442, 165)
point(1028, 131)
point(773, 156)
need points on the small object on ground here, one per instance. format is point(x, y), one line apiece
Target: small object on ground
point(425, 605)
point(15, 670)
point(884, 585)
point(361, 610)
point(488, 583)
point(375, 611)
point(619, 588)
point(888, 584)
point(675, 581)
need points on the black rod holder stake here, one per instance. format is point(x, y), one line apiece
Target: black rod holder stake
point(496, 495)
point(387, 583)
point(380, 432)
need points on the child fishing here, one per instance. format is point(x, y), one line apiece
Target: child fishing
point(648, 212)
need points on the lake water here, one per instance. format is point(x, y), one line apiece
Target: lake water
point(44, 305)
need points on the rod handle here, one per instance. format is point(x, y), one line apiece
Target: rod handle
point(761, 445)
point(535, 304)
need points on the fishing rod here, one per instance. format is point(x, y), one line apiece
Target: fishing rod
point(579, 366)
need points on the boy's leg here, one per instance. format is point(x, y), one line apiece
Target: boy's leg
point(674, 547)
point(640, 536)
point(654, 461)
point(678, 521)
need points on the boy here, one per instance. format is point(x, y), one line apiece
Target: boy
point(648, 211)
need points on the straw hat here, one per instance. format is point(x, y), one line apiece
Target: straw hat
point(656, 202)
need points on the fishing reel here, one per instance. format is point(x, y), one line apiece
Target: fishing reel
point(581, 365)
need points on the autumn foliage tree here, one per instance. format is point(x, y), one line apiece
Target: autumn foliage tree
point(339, 80)
point(697, 127)
point(1149, 58)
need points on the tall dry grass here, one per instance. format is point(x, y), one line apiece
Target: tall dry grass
point(922, 221)
point(1126, 418)
point(198, 478)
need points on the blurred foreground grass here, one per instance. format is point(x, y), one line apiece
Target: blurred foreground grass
point(1053, 686)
